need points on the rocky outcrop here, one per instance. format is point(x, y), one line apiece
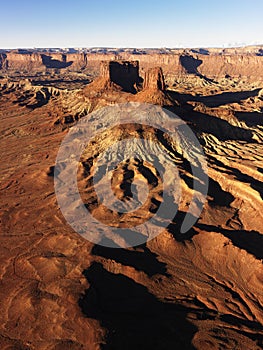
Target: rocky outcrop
point(74, 62)
point(154, 89)
point(125, 74)
point(213, 63)
point(200, 290)
point(3, 61)
point(40, 62)
point(239, 65)
point(120, 81)
point(23, 62)
point(114, 76)
point(154, 79)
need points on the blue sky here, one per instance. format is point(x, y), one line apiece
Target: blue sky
point(80, 23)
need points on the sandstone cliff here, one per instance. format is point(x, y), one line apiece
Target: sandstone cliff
point(213, 63)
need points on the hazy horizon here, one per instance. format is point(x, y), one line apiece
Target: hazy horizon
point(129, 47)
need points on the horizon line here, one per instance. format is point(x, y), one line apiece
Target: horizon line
point(132, 47)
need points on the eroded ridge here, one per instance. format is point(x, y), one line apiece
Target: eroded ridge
point(201, 290)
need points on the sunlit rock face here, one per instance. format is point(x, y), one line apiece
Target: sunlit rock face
point(202, 289)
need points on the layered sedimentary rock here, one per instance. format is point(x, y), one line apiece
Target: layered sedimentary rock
point(114, 76)
point(154, 90)
point(212, 63)
point(120, 81)
point(122, 73)
point(200, 290)
point(23, 62)
point(40, 62)
point(154, 79)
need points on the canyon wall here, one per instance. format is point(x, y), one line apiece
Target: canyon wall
point(40, 62)
point(212, 64)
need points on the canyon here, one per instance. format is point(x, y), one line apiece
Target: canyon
point(198, 290)
point(212, 63)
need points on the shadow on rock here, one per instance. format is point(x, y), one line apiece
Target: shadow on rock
point(134, 318)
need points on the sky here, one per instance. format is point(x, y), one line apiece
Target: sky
point(135, 23)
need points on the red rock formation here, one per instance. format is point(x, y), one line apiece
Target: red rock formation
point(154, 89)
point(3, 61)
point(116, 75)
point(154, 79)
point(102, 83)
point(201, 290)
point(31, 62)
point(212, 63)
point(215, 65)
point(24, 62)
point(239, 65)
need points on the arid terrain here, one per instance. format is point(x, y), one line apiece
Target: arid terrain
point(200, 290)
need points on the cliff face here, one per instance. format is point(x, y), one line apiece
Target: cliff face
point(213, 65)
point(2, 61)
point(200, 290)
point(239, 65)
point(154, 79)
point(154, 89)
point(32, 62)
point(120, 81)
point(22, 62)
point(116, 75)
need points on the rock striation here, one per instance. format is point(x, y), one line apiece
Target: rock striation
point(154, 79)
point(120, 80)
point(201, 290)
point(211, 63)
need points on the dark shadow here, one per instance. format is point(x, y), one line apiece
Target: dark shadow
point(125, 75)
point(228, 97)
point(23, 100)
point(220, 128)
point(233, 320)
point(42, 97)
point(250, 118)
point(250, 241)
point(201, 122)
point(141, 260)
point(51, 171)
point(241, 177)
point(191, 64)
point(3, 61)
point(183, 98)
point(134, 318)
point(215, 100)
point(175, 227)
point(220, 197)
point(201, 51)
point(49, 62)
